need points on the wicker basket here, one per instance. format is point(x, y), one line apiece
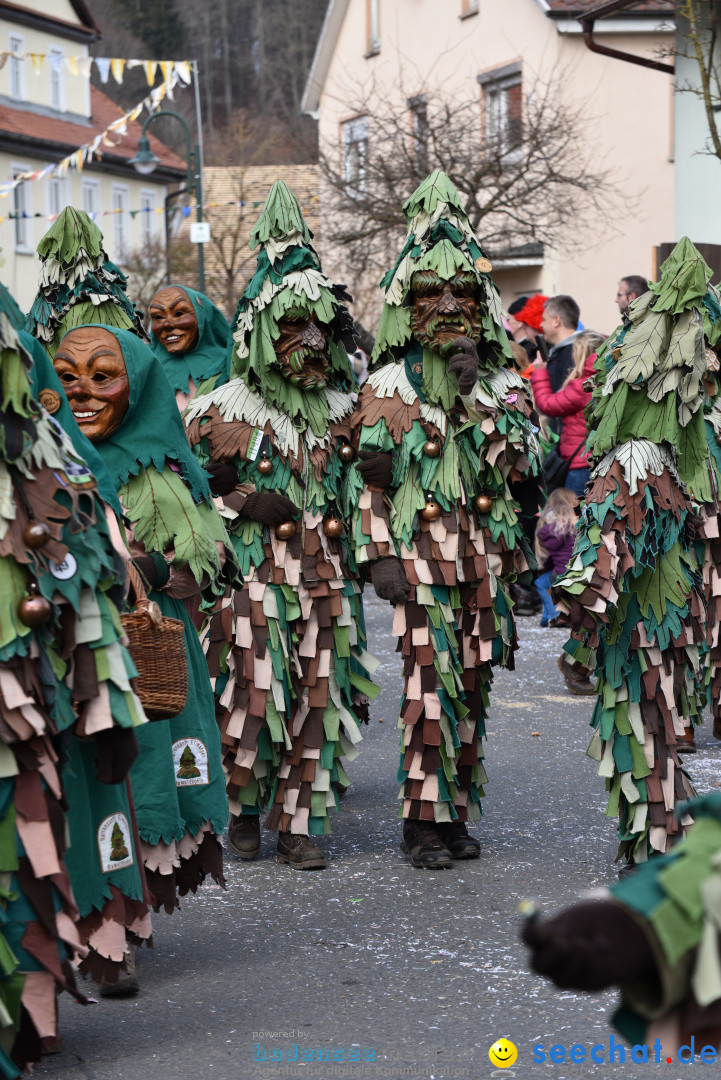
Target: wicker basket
point(157, 646)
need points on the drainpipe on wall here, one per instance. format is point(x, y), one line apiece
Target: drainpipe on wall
point(611, 8)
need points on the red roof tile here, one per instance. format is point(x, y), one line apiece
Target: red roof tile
point(70, 135)
point(640, 7)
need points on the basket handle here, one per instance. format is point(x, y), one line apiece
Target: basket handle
point(142, 603)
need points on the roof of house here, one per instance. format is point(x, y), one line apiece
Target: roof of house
point(635, 7)
point(46, 135)
point(86, 28)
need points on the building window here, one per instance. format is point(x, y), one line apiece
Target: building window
point(23, 211)
point(373, 22)
point(418, 107)
point(17, 68)
point(502, 109)
point(148, 229)
point(91, 198)
point(57, 80)
point(469, 7)
point(354, 149)
point(56, 199)
point(120, 221)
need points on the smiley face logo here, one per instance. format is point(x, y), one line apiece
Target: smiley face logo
point(503, 1053)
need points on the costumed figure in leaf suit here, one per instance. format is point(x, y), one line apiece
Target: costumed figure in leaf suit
point(65, 682)
point(78, 283)
point(633, 585)
point(444, 426)
point(123, 403)
point(297, 684)
point(191, 338)
point(655, 935)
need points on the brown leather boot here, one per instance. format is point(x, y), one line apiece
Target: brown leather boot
point(686, 744)
point(454, 835)
point(244, 835)
point(424, 847)
point(298, 852)
point(127, 984)
point(717, 728)
point(576, 677)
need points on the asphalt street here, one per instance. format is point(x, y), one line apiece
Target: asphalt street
point(376, 968)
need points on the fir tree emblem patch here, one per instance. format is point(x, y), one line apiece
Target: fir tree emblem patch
point(114, 843)
point(190, 762)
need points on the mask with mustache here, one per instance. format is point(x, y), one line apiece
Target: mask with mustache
point(444, 310)
point(302, 351)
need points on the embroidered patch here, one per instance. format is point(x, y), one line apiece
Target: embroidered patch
point(484, 265)
point(190, 762)
point(114, 843)
point(511, 399)
point(50, 400)
point(65, 569)
point(418, 369)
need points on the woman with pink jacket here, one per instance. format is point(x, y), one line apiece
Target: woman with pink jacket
point(569, 403)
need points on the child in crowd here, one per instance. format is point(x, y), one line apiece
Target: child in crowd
point(555, 537)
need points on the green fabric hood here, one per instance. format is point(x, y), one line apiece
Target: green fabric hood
point(211, 354)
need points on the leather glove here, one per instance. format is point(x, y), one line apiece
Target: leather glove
point(590, 946)
point(464, 364)
point(223, 477)
point(389, 580)
point(117, 749)
point(147, 569)
point(268, 508)
point(376, 468)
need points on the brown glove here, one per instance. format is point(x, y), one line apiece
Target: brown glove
point(223, 477)
point(589, 946)
point(464, 364)
point(268, 508)
point(376, 468)
point(389, 580)
point(117, 749)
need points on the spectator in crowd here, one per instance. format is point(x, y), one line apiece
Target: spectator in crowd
point(628, 289)
point(559, 325)
point(555, 537)
point(568, 404)
point(524, 317)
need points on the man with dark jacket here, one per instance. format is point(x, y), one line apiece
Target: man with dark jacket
point(559, 325)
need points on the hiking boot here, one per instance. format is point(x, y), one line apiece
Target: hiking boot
point(244, 835)
point(526, 601)
point(717, 728)
point(576, 677)
point(298, 852)
point(424, 847)
point(127, 984)
point(686, 744)
point(454, 835)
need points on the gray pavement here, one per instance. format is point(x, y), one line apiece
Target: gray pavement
point(379, 969)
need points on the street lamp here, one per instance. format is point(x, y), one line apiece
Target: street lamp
point(145, 162)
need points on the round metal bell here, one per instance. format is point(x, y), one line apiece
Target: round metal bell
point(35, 534)
point(346, 452)
point(285, 530)
point(431, 448)
point(34, 609)
point(431, 511)
point(265, 466)
point(484, 503)
point(333, 527)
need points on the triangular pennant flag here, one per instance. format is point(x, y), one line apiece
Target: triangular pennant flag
point(117, 65)
point(136, 112)
point(72, 63)
point(150, 68)
point(3, 59)
point(166, 67)
point(36, 59)
point(183, 69)
point(102, 63)
point(85, 63)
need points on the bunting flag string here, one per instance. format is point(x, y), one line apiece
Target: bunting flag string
point(84, 154)
point(106, 65)
point(186, 211)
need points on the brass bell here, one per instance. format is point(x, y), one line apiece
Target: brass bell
point(346, 453)
point(484, 503)
point(265, 466)
point(285, 530)
point(333, 527)
point(34, 609)
point(431, 511)
point(35, 534)
point(431, 448)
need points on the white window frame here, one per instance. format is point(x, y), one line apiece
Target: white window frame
point(23, 230)
point(495, 85)
point(57, 79)
point(91, 186)
point(121, 221)
point(148, 222)
point(374, 27)
point(17, 68)
point(354, 154)
point(56, 194)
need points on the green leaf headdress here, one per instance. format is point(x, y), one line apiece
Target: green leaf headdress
point(79, 285)
point(439, 238)
point(649, 373)
point(289, 278)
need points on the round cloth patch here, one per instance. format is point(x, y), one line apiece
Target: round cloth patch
point(65, 569)
point(50, 400)
point(190, 763)
point(114, 843)
point(484, 265)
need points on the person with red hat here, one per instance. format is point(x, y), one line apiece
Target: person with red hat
point(525, 321)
